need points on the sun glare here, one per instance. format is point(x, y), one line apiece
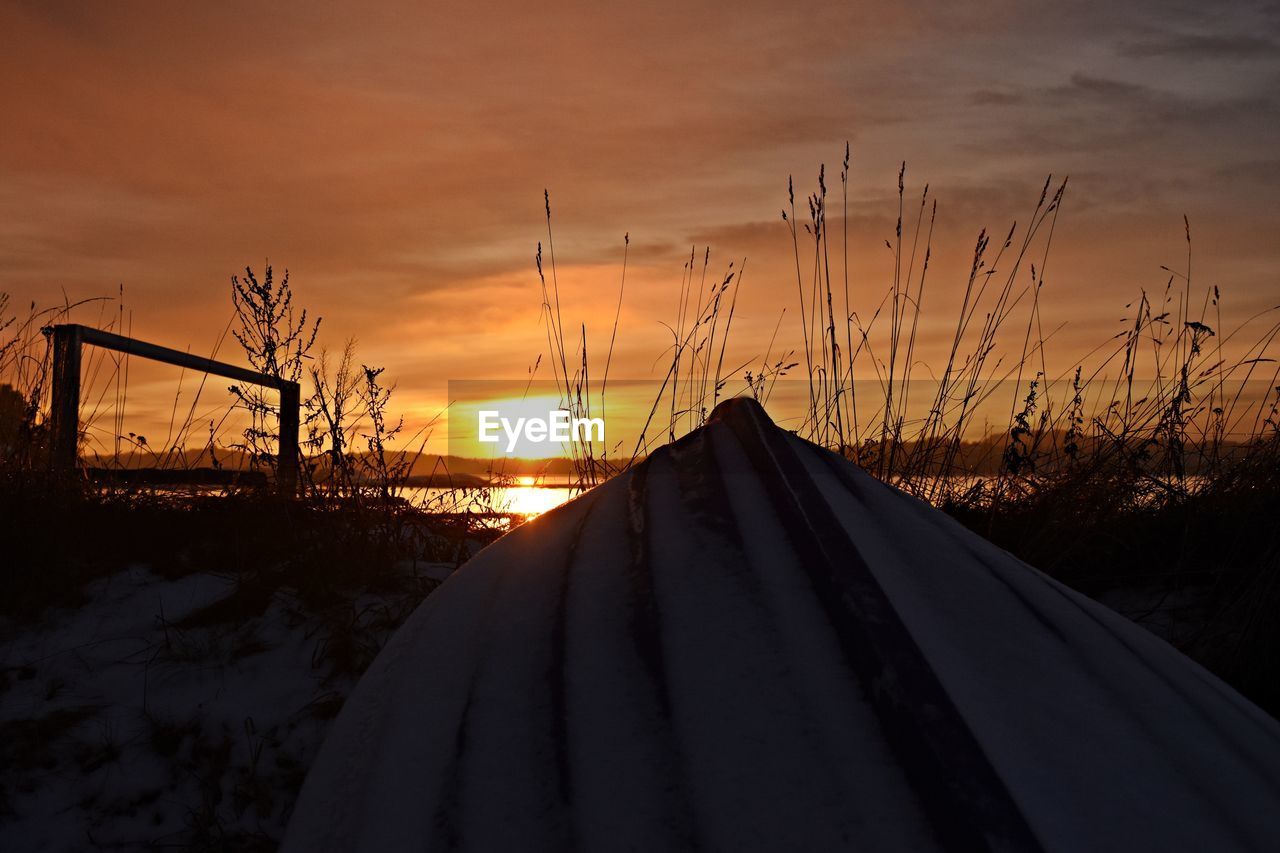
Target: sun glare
point(531, 500)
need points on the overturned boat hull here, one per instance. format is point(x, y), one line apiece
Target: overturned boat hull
point(746, 643)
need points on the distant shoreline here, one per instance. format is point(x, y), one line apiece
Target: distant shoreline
point(204, 476)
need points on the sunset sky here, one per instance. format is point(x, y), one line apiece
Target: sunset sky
point(394, 158)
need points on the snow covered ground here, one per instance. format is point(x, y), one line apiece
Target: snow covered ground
point(152, 716)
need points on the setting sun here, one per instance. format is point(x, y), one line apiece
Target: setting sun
point(528, 497)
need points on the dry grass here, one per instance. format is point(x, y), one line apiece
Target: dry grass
point(1150, 465)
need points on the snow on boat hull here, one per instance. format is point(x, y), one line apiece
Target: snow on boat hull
point(746, 643)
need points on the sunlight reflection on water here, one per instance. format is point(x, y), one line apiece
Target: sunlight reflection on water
point(524, 497)
point(530, 500)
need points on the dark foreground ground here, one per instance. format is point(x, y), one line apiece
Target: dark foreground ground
point(169, 670)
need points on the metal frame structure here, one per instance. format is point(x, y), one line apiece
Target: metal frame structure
point(68, 340)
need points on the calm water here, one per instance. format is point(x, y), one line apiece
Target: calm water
point(524, 497)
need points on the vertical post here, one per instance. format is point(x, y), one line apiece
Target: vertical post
point(64, 410)
point(287, 467)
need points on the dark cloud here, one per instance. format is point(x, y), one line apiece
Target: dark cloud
point(1087, 86)
point(1138, 102)
point(1145, 126)
point(1196, 46)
